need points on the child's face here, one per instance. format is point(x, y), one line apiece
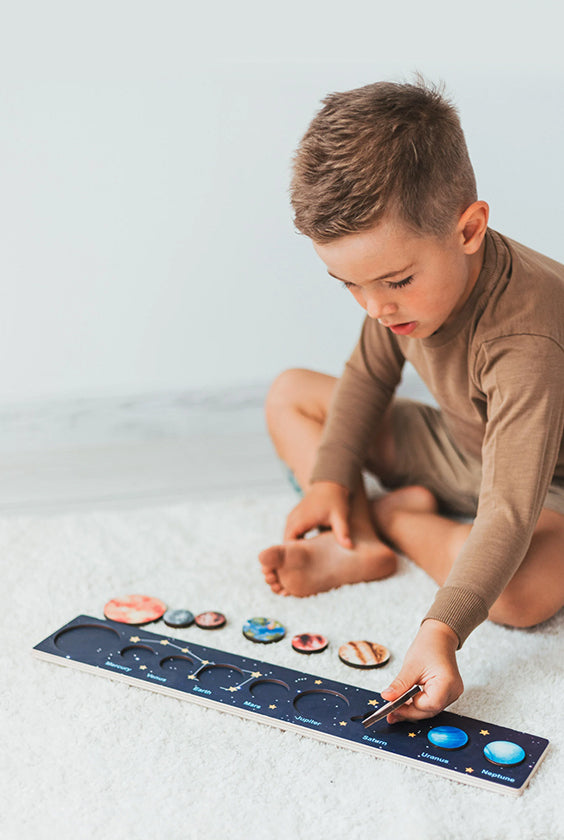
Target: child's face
point(412, 285)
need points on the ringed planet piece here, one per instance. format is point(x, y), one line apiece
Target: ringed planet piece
point(178, 618)
point(134, 609)
point(504, 753)
point(309, 643)
point(210, 620)
point(364, 654)
point(264, 630)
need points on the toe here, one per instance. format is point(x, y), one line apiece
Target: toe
point(272, 558)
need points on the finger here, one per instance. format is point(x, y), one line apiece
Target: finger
point(402, 683)
point(413, 711)
point(430, 702)
point(295, 528)
point(340, 527)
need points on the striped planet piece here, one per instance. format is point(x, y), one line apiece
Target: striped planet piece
point(364, 654)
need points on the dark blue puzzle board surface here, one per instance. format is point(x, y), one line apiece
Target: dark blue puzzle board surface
point(316, 706)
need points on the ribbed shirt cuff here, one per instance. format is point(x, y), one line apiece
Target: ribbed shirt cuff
point(346, 474)
point(461, 609)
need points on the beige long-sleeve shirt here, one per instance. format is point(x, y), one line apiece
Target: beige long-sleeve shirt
point(497, 373)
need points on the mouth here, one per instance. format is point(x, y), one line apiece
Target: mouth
point(401, 329)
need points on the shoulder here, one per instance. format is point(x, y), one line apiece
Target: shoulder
point(526, 297)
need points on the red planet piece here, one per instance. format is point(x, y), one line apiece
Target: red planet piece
point(210, 620)
point(309, 643)
point(134, 609)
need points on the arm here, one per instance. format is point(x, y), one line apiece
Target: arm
point(361, 397)
point(523, 381)
point(525, 403)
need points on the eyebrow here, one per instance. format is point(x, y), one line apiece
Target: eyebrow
point(375, 280)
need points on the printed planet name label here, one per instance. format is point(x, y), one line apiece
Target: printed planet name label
point(308, 720)
point(374, 740)
point(154, 677)
point(497, 776)
point(252, 705)
point(202, 690)
point(434, 758)
point(120, 667)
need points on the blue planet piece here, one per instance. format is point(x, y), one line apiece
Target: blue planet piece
point(263, 630)
point(178, 618)
point(448, 737)
point(504, 753)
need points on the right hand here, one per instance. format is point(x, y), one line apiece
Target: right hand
point(325, 504)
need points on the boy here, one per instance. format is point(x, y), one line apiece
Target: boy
point(384, 187)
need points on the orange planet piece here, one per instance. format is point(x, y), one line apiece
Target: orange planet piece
point(134, 609)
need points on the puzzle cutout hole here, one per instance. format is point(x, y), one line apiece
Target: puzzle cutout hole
point(73, 640)
point(140, 654)
point(181, 666)
point(320, 704)
point(220, 676)
point(269, 691)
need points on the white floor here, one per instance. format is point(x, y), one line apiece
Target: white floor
point(100, 453)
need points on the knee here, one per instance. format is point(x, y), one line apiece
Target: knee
point(516, 608)
point(284, 389)
point(298, 389)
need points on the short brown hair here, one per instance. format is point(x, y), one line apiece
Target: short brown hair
point(386, 149)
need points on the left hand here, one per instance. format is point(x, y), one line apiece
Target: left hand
point(431, 663)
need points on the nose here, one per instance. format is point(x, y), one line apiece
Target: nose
point(377, 307)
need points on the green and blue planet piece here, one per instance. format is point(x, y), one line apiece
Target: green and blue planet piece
point(265, 630)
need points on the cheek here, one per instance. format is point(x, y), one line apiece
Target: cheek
point(359, 297)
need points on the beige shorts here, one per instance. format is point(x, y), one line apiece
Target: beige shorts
point(426, 454)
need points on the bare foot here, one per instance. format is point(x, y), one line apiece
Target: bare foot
point(305, 567)
point(415, 499)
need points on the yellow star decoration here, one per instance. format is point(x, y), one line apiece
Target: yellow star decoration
point(164, 642)
point(134, 639)
point(373, 702)
point(142, 667)
point(191, 677)
point(184, 650)
point(256, 674)
point(484, 732)
point(411, 734)
point(318, 682)
point(233, 688)
point(343, 723)
point(272, 706)
point(469, 769)
point(205, 662)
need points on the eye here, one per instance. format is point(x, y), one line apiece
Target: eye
point(347, 285)
point(401, 283)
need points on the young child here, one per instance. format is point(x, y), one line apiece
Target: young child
point(384, 188)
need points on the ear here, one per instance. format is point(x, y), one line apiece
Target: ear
point(472, 226)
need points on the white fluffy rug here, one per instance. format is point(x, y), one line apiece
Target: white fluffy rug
point(87, 757)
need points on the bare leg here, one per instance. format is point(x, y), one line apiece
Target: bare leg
point(296, 410)
point(534, 594)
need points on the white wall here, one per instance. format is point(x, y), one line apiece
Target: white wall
point(146, 236)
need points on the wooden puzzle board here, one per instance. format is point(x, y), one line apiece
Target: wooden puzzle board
point(316, 706)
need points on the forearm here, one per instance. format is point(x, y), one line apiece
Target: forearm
point(361, 397)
